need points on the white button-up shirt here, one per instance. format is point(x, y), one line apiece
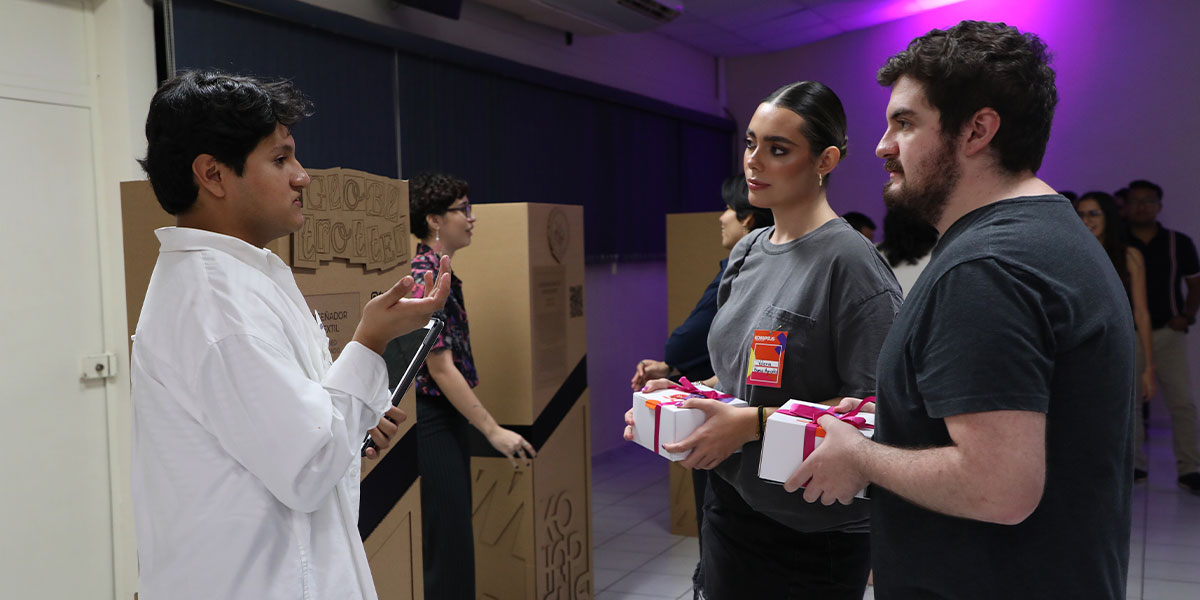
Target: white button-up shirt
point(246, 436)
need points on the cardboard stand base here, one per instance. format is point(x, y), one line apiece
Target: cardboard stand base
point(523, 285)
point(694, 254)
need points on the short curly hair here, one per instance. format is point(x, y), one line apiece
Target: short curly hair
point(211, 112)
point(432, 194)
point(977, 64)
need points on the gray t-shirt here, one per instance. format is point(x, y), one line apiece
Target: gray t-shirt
point(833, 294)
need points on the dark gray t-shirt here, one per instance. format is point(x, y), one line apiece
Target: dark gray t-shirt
point(1019, 309)
point(836, 298)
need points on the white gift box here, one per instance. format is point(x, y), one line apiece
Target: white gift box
point(789, 439)
point(658, 419)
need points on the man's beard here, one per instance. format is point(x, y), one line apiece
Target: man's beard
point(927, 197)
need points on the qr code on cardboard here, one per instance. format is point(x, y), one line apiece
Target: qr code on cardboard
point(576, 301)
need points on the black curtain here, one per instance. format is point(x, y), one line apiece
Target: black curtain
point(517, 134)
point(350, 81)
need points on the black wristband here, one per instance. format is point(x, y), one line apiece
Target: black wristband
point(761, 423)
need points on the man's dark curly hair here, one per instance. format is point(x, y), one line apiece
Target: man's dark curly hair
point(432, 194)
point(976, 64)
point(210, 112)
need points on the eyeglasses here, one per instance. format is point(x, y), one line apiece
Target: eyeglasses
point(464, 209)
point(1095, 212)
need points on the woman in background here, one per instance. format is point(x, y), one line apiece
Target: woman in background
point(441, 217)
point(686, 352)
point(1100, 215)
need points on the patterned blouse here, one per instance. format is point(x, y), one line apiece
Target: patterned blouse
point(456, 335)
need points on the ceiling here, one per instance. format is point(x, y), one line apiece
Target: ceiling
point(718, 27)
point(742, 27)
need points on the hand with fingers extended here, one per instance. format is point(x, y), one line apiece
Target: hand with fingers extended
point(831, 473)
point(384, 433)
point(511, 445)
point(725, 429)
point(392, 314)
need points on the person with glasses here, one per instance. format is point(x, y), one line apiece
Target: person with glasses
point(1170, 262)
point(1100, 215)
point(440, 216)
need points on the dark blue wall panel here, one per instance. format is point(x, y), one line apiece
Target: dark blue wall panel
point(516, 133)
point(349, 81)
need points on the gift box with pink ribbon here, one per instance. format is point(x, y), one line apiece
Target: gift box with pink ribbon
point(792, 434)
point(659, 417)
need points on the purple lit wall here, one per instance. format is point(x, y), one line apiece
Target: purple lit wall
point(1127, 82)
point(626, 322)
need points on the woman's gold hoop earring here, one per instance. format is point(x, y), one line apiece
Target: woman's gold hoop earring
point(820, 180)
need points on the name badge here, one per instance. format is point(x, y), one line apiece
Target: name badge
point(766, 358)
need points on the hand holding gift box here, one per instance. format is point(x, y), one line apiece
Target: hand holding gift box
point(792, 433)
point(659, 416)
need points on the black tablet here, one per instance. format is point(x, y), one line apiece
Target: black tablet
point(404, 357)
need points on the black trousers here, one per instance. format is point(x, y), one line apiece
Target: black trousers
point(447, 537)
point(745, 554)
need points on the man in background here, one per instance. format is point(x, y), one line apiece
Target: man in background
point(1171, 268)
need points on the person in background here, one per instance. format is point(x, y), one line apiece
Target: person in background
point(1069, 195)
point(441, 218)
point(1121, 197)
point(861, 223)
point(686, 352)
point(907, 244)
point(246, 435)
point(1003, 439)
point(1171, 266)
point(818, 282)
point(1099, 215)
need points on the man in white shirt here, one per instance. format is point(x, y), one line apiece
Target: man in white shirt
point(246, 435)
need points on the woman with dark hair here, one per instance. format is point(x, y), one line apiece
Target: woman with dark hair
point(813, 280)
point(907, 244)
point(1101, 216)
point(440, 214)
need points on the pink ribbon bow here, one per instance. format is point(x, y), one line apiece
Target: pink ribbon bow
point(813, 413)
point(687, 386)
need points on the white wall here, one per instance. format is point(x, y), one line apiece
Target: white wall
point(645, 63)
point(90, 65)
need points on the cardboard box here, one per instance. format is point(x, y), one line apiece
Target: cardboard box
point(692, 261)
point(659, 419)
point(523, 285)
point(788, 440)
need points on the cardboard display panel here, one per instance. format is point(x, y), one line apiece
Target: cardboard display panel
point(523, 280)
point(694, 254)
point(354, 245)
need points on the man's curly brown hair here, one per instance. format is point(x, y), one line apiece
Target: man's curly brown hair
point(432, 194)
point(977, 64)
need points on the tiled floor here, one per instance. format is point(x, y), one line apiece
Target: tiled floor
point(637, 558)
